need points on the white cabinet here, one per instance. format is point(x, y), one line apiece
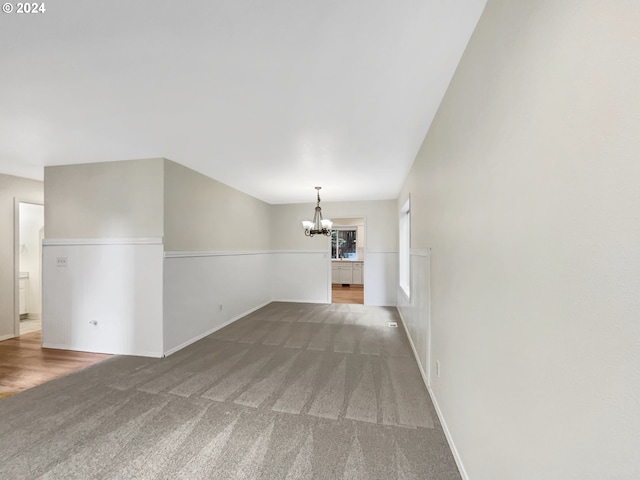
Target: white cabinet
point(346, 272)
point(335, 273)
point(341, 272)
point(357, 273)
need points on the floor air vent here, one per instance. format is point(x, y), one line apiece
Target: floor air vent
point(392, 324)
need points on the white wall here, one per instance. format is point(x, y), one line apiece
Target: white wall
point(300, 276)
point(29, 191)
point(216, 243)
point(106, 219)
point(205, 291)
point(380, 278)
point(118, 285)
point(221, 246)
point(415, 308)
point(30, 226)
point(380, 255)
point(526, 192)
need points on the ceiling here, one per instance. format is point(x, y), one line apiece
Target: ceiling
point(270, 97)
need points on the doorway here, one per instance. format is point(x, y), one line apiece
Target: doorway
point(347, 246)
point(29, 236)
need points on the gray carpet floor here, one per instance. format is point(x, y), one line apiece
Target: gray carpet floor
point(292, 391)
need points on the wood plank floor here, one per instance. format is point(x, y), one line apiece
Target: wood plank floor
point(351, 294)
point(25, 364)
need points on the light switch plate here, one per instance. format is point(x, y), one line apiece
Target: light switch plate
point(61, 261)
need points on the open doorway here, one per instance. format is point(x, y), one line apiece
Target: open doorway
point(30, 232)
point(347, 260)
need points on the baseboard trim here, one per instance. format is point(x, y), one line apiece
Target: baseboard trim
point(445, 428)
point(319, 302)
point(413, 349)
point(58, 346)
point(447, 434)
point(6, 337)
point(214, 329)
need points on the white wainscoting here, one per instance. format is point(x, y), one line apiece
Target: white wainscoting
point(149, 302)
point(380, 278)
point(301, 276)
point(415, 310)
point(197, 284)
point(103, 295)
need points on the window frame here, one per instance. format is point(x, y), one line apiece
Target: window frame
point(404, 248)
point(349, 228)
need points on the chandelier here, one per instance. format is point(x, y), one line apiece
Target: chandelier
point(318, 226)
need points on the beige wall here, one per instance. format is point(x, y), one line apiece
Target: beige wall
point(24, 190)
point(380, 251)
point(202, 214)
point(105, 200)
point(527, 189)
point(381, 224)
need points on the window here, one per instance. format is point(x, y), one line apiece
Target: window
point(404, 250)
point(344, 243)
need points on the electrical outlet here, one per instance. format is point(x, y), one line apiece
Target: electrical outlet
point(437, 368)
